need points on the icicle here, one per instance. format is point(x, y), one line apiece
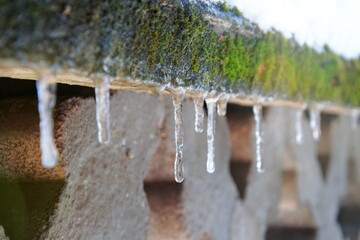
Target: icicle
point(315, 119)
point(210, 163)
point(298, 126)
point(354, 118)
point(222, 105)
point(46, 91)
point(178, 97)
point(199, 113)
point(257, 109)
point(102, 94)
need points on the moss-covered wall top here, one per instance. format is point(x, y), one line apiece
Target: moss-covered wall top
point(200, 45)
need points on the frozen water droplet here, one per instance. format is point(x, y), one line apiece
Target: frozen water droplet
point(354, 118)
point(210, 162)
point(315, 119)
point(258, 116)
point(199, 113)
point(222, 105)
point(178, 98)
point(102, 95)
point(46, 91)
point(298, 126)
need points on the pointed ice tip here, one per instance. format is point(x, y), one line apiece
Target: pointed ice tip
point(199, 130)
point(49, 165)
point(299, 141)
point(179, 179)
point(260, 168)
point(104, 139)
point(316, 135)
point(210, 167)
point(179, 174)
point(50, 160)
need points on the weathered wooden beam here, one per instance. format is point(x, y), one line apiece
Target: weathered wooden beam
point(202, 45)
point(13, 69)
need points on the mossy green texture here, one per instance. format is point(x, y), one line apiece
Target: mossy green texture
point(171, 41)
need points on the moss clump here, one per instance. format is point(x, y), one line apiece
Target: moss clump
point(223, 6)
point(170, 41)
point(236, 11)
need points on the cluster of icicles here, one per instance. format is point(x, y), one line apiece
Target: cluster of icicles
point(46, 89)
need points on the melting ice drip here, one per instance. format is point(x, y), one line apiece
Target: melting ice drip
point(258, 116)
point(211, 105)
point(199, 113)
point(315, 119)
point(354, 118)
point(178, 98)
point(222, 105)
point(298, 126)
point(46, 91)
point(102, 95)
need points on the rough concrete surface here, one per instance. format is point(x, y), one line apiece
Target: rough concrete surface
point(264, 190)
point(104, 197)
point(196, 209)
point(209, 199)
point(103, 193)
point(245, 224)
point(268, 199)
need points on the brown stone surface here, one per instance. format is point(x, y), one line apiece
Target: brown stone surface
point(240, 121)
point(161, 163)
point(166, 219)
point(19, 143)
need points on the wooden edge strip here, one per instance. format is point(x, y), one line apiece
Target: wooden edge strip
point(12, 69)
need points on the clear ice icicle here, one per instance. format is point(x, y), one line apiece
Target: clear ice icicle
point(298, 126)
point(178, 98)
point(222, 105)
point(199, 113)
point(354, 118)
point(258, 116)
point(210, 162)
point(315, 119)
point(102, 95)
point(46, 91)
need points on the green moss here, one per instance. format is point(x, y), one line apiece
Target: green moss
point(223, 6)
point(170, 41)
point(236, 11)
